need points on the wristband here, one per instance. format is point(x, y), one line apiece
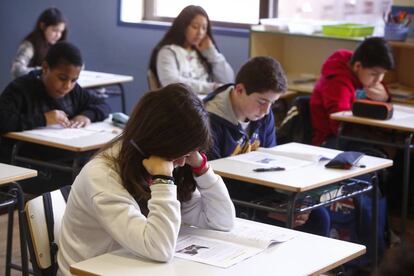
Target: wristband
point(199, 169)
point(162, 179)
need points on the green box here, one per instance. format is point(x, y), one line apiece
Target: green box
point(348, 30)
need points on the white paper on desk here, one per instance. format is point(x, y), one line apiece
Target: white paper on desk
point(266, 159)
point(301, 155)
point(399, 114)
point(62, 133)
point(103, 127)
point(224, 249)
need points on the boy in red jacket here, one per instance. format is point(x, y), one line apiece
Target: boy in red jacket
point(346, 76)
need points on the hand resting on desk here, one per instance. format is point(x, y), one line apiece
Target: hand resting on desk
point(79, 121)
point(59, 117)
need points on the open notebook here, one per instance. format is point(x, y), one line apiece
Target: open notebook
point(283, 158)
point(224, 249)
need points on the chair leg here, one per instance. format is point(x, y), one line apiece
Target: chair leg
point(9, 240)
point(17, 191)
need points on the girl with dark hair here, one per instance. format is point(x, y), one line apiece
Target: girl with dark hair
point(138, 190)
point(188, 54)
point(51, 27)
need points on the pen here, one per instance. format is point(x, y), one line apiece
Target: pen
point(271, 169)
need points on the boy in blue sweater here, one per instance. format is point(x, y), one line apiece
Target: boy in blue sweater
point(241, 121)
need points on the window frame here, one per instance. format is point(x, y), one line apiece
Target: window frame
point(267, 8)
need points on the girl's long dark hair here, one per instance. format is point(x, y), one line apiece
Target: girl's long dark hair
point(170, 123)
point(176, 35)
point(49, 17)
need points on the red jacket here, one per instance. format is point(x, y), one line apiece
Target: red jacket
point(333, 92)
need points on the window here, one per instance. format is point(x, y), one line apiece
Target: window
point(248, 12)
point(225, 12)
point(358, 11)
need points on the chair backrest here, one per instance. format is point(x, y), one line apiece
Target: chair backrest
point(297, 125)
point(153, 83)
point(43, 219)
point(303, 105)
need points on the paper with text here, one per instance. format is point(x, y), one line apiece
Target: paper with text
point(224, 249)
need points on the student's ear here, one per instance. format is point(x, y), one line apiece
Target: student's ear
point(45, 68)
point(239, 88)
point(42, 26)
point(357, 66)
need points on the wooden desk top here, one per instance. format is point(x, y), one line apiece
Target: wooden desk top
point(89, 79)
point(9, 173)
point(80, 144)
point(297, 179)
point(306, 254)
point(403, 119)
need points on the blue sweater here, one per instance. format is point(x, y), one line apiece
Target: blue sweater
point(230, 139)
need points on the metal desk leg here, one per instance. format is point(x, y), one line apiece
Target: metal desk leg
point(375, 196)
point(291, 210)
point(9, 246)
point(406, 179)
point(76, 165)
point(22, 229)
point(16, 147)
point(123, 105)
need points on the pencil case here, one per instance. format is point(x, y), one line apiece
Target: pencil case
point(372, 109)
point(119, 119)
point(345, 160)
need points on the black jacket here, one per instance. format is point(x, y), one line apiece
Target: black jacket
point(25, 100)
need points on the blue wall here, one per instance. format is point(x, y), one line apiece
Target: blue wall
point(106, 46)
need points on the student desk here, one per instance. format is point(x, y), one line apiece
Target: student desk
point(401, 122)
point(101, 133)
point(8, 176)
point(92, 79)
point(306, 254)
point(303, 179)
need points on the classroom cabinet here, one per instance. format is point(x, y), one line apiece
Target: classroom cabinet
point(302, 56)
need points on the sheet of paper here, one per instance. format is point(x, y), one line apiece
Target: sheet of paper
point(313, 157)
point(401, 114)
point(213, 252)
point(263, 159)
point(63, 133)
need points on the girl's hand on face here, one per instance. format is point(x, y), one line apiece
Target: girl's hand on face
point(194, 160)
point(156, 165)
point(205, 43)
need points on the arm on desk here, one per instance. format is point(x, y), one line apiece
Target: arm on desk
point(210, 205)
point(90, 105)
point(377, 93)
point(152, 237)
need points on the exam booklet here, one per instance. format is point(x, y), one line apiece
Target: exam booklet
point(224, 249)
point(280, 157)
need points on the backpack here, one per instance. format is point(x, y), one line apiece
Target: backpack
point(351, 220)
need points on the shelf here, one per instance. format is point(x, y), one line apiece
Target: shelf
point(303, 53)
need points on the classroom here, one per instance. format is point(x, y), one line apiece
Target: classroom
point(123, 50)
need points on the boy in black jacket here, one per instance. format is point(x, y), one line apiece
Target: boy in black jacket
point(51, 95)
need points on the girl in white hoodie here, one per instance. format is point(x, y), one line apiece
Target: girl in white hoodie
point(139, 189)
